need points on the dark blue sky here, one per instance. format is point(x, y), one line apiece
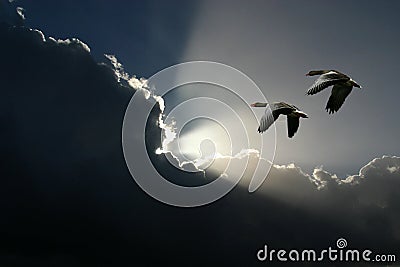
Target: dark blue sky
point(275, 43)
point(146, 36)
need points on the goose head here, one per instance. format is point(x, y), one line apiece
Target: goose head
point(259, 104)
point(356, 84)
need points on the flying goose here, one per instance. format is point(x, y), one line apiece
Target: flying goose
point(275, 109)
point(342, 86)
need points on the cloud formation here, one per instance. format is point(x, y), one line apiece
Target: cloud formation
point(68, 199)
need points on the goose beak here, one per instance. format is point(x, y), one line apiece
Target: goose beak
point(307, 74)
point(253, 105)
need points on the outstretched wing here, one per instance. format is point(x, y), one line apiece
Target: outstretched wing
point(338, 95)
point(280, 106)
point(268, 119)
point(293, 122)
point(326, 80)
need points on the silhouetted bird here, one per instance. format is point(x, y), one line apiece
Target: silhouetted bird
point(342, 86)
point(275, 109)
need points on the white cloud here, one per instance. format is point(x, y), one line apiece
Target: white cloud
point(69, 41)
point(375, 184)
point(393, 169)
point(387, 165)
point(118, 68)
point(378, 167)
point(38, 32)
point(21, 12)
point(141, 84)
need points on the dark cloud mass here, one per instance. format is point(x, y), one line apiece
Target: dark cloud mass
point(67, 198)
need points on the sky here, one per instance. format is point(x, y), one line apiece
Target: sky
point(277, 42)
point(274, 43)
point(67, 196)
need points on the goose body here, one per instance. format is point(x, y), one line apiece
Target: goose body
point(274, 110)
point(342, 86)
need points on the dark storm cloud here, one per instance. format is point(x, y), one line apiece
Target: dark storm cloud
point(67, 198)
point(353, 202)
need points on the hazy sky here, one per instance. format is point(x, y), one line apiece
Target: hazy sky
point(275, 43)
